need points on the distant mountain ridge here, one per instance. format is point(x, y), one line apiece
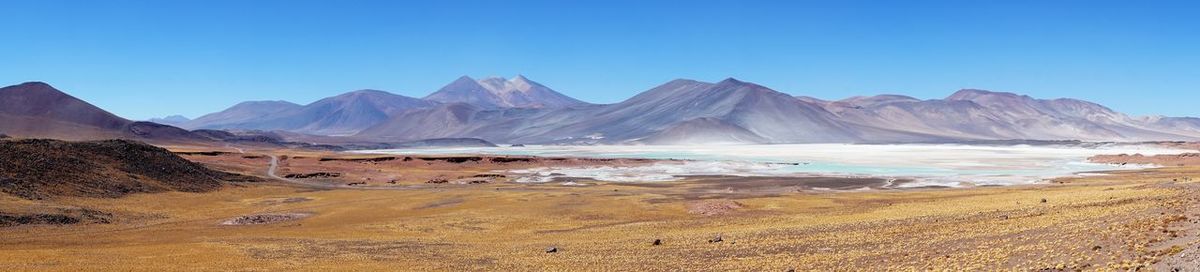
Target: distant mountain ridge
point(985, 115)
point(733, 111)
point(677, 112)
point(173, 120)
point(352, 112)
point(338, 115)
point(242, 113)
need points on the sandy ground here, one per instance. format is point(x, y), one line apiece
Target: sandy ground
point(1125, 220)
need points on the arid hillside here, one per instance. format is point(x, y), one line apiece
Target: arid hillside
point(43, 169)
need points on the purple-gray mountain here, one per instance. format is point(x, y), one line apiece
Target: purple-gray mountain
point(494, 92)
point(339, 115)
point(243, 114)
point(352, 112)
point(173, 120)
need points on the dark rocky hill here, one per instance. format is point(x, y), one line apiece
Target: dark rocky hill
point(43, 169)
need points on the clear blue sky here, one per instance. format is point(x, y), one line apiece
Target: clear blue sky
point(143, 59)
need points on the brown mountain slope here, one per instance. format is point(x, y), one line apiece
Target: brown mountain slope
point(40, 100)
point(38, 110)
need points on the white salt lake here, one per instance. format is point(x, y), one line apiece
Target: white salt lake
point(953, 165)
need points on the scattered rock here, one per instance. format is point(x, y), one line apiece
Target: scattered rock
point(37, 219)
point(276, 201)
point(716, 239)
point(657, 242)
point(552, 250)
point(265, 218)
point(506, 159)
point(375, 159)
point(63, 217)
point(471, 181)
point(437, 181)
point(454, 159)
point(313, 175)
point(1043, 200)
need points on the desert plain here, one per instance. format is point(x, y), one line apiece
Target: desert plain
point(318, 210)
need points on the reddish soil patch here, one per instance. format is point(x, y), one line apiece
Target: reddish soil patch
point(1186, 159)
point(713, 207)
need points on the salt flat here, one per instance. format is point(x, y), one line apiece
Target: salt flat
point(929, 164)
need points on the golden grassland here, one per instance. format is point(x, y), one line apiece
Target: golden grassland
point(1116, 222)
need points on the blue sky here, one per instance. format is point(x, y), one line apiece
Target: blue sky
point(143, 59)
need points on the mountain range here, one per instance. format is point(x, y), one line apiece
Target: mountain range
point(519, 110)
point(352, 112)
point(733, 111)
